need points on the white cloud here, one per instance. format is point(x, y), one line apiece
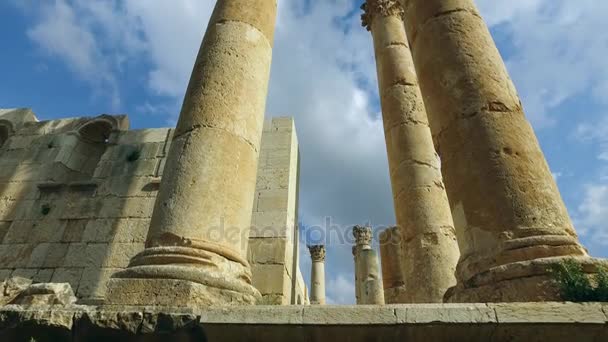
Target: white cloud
point(557, 51)
point(340, 290)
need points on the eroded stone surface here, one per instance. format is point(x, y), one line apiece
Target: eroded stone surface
point(444, 313)
point(436, 322)
point(549, 313)
point(421, 206)
point(504, 200)
point(11, 288)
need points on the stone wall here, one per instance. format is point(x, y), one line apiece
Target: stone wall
point(273, 239)
point(76, 197)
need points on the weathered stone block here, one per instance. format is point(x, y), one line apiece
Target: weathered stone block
point(76, 255)
point(93, 282)
point(271, 224)
point(268, 251)
point(131, 230)
point(253, 315)
point(5, 273)
point(549, 312)
point(269, 279)
point(68, 275)
point(350, 315)
point(18, 232)
point(127, 208)
point(114, 255)
point(74, 230)
point(38, 255)
point(272, 200)
point(143, 136)
point(15, 255)
point(27, 273)
point(99, 231)
point(46, 231)
point(273, 179)
point(445, 313)
point(4, 226)
point(129, 187)
point(43, 275)
point(55, 256)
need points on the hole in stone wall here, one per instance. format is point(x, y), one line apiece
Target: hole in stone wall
point(96, 131)
point(4, 132)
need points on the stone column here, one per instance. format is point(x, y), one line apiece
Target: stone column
point(391, 257)
point(317, 275)
point(368, 285)
point(511, 222)
point(430, 250)
point(200, 225)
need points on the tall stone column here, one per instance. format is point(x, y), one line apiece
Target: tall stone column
point(391, 259)
point(511, 222)
point(200, 225)
point(317, 275)
point(368, 285)
point(430, 250)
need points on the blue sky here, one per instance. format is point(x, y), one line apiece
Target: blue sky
point(86, 57)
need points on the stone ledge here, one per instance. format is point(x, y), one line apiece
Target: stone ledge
point(588, 313)
point(423, 322)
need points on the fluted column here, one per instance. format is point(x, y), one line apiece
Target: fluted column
point(511, 222)
point(368, 284)
point(430, 250)
point(317, 275)
point(391, 259)
point(200, 225)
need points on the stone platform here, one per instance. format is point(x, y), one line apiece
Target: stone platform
point(452, 322)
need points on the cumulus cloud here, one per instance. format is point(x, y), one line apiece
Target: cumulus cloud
point(555, 51)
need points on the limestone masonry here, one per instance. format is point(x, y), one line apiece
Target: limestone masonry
point(77, 195)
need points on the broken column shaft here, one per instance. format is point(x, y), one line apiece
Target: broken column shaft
point(368, 285)
point(391, 257)
point(200, 225)
point(428, 242)
point(511, 222)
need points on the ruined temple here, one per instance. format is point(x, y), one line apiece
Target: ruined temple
point(177, 233)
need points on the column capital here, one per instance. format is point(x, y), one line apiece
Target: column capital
point(317, 253)
point(363, 235)
point(385, 8)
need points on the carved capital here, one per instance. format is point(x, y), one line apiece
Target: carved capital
point(385, 8)
point(363, 235)
point(317, 253)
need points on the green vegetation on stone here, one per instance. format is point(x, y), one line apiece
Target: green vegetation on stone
point(577, 286)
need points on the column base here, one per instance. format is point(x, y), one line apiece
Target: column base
point(524, 281)
point(171, 292)
point(396, 295)
point(181, 276)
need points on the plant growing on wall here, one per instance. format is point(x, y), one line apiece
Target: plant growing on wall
point(577, 286)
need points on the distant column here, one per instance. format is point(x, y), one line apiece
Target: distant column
point(200, 225)
point(430, 250)
point(367, 271)
point(511, 222)
point(391, 258)
point(317, 288)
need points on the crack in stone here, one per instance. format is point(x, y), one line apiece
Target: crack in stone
point(199, 126)
point(407, 122)
point(439, 15)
